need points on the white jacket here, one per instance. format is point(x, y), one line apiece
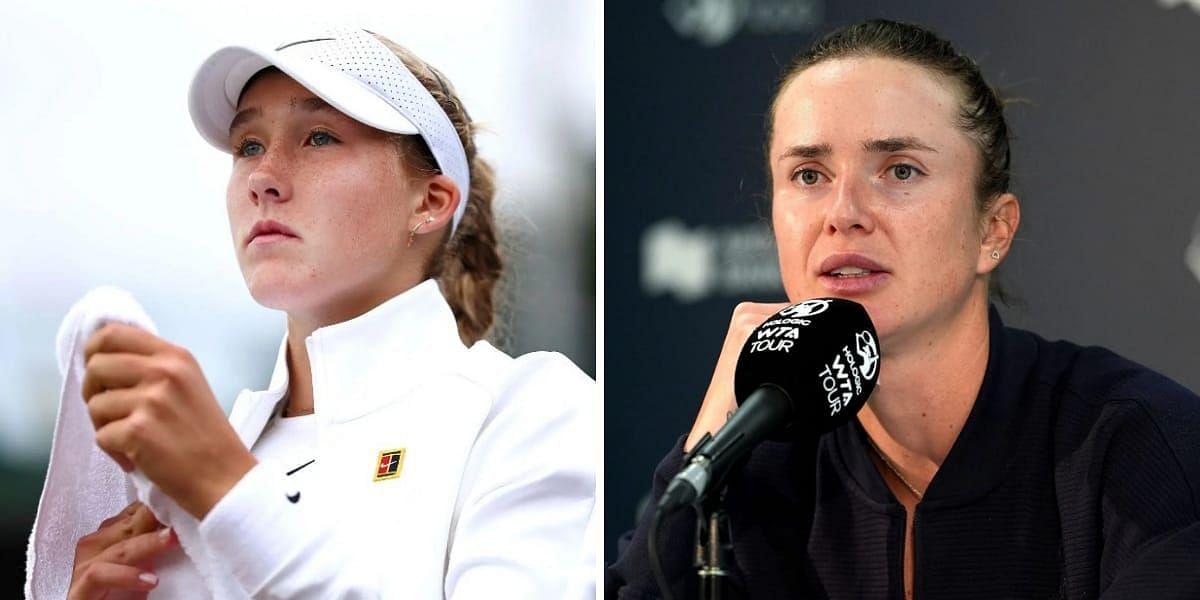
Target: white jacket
point(497, 484)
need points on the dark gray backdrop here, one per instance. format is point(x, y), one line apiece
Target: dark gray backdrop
point(1105, 165)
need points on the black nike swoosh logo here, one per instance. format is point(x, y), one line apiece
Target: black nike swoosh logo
point(302, 466)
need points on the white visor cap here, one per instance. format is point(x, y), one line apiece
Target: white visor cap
point(351, 70)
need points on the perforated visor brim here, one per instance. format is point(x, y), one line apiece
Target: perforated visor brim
point(212, 100)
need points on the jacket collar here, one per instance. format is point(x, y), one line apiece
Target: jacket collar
point(979, 457)
point(361, 364)
point(369, 361)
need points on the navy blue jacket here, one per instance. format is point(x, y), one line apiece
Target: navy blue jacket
point(1076, 475)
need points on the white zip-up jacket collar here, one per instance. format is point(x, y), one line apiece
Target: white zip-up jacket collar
point(413, 336)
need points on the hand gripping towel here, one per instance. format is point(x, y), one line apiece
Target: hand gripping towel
point(84, 485)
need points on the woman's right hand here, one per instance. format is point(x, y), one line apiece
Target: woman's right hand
point(719, 402)
point(115, 558)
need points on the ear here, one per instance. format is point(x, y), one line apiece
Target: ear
point(999, 229)
point(435, 209)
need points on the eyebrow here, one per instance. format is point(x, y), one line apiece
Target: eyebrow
point(807, 151)
point(312, 104)
point(886, 145)
point(896, 144)
point(244, 116)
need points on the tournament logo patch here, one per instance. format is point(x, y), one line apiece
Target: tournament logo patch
point(391, 462)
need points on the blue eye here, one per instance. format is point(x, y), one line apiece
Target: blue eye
point(320, 138)
point(249, 148)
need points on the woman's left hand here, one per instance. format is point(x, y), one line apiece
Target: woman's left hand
point(154, 411)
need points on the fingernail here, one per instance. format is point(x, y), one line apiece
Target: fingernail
point(164, 533)
point(149, 578)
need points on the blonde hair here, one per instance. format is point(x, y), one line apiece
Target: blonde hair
point(469, 265)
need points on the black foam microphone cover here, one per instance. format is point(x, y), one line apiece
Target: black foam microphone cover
point(822, 353)
point(805, 371)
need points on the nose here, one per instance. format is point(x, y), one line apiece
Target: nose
point(268, 181)
point(849, 211)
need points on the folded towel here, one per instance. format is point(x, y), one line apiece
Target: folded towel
point(84, 485)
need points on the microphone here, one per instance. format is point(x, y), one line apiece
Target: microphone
point(805, 371)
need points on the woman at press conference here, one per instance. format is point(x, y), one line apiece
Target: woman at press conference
point(988, 462)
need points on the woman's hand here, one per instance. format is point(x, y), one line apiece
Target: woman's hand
point(719, 401)
point(153, 410)
point(117, 557)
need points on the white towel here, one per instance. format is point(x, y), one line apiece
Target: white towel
point(84, 485)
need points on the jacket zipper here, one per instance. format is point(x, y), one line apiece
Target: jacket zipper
point(914, 550)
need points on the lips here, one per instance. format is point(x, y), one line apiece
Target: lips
point(268, 228)
point(850, 265)
point(849, 274)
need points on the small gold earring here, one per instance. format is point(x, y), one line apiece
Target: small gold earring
point(412, 235)
point(995, 254)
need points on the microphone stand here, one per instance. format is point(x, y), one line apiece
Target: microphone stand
point(714, 551)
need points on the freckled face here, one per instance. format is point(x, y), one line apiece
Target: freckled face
point(336, 188)
point(873, 194)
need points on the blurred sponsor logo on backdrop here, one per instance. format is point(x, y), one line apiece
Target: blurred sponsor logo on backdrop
point(1191, 255)
point(1195, 4)
point(693, 264)
point(715, 22)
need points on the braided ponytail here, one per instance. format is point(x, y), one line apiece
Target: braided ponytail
point(468, 266)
